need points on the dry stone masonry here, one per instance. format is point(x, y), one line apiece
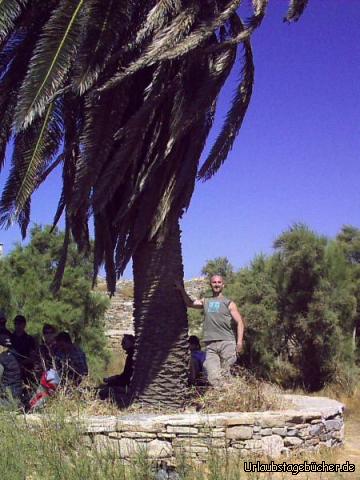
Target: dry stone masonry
point(119, 315)
point(312, 423)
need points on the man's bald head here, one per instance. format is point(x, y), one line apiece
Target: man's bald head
point(216, 276)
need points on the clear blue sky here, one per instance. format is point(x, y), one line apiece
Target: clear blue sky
point(297, 158)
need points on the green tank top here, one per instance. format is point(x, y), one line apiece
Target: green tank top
point(218, 322)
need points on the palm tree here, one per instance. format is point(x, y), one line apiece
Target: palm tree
point(122, 95)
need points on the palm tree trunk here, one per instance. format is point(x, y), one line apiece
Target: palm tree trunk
point(160, 320)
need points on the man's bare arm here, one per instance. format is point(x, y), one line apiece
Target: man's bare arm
point(189, 302)
point(239, 324)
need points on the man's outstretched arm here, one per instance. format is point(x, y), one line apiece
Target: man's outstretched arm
point(239, 324)
point(189, 302)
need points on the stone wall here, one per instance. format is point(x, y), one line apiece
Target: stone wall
point(312, 423)
point(119, 315)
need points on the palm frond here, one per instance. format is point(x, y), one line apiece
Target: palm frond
point(33, 149)
point(59, 274)
point(8, 51)
point(158, 17)
point(59, 210)
point(104, 248)
point(259, 7)
point(24, 218)
point(10, 10)
point(102, 120)
point(168, 37)
point(234, 118)
point(51, 61)
point(128, 155)
point(12, 74)
point(108, 25)
point(296, 9)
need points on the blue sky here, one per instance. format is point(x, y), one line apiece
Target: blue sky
point(297, 156)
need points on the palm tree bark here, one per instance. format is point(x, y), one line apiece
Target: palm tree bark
point(161, 326)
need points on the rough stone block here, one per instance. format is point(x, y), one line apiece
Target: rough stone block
point(188, 449)
point(242, 419)
point(265, 431)
point(272, 420)
point(272, 445)
point(184, 430)
point(280, 431)
point(333, 424)
point(239, 433)
point(100, 424)
point(312, 441)
point(304, 432)
point(292, 441)
point(159, 449)
point(253, 444)
point(316, 429)
point(140, 435)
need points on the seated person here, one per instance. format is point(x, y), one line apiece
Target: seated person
point(45, 355)
point(24, 345)
point(122, 380)
point(10, 373)
point(197, 360)
point(72, 360)
point(3, 330)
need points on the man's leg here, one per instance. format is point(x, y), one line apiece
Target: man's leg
point(227, 349)
point(212, 363)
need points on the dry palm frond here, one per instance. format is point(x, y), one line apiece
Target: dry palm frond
point(157, 18)
point(102, 120)
point(296, 9)
point(163, 41)
point(234, 118)
point(56, 283)
point(108, 29)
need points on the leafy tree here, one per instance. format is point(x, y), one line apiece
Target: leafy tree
point(253, 290)
point(301, 308)
point(349, 241)
point(126, 93)
point(219, 266)
point(28, 273)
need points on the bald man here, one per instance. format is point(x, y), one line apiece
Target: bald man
point(223, 329)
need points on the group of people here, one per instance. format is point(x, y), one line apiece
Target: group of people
point(24, 363)
point(30, 371)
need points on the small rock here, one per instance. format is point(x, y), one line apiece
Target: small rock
point(292, 441)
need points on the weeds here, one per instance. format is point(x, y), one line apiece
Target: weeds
point(243, 393)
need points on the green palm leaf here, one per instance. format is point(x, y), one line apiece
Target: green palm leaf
point(52, 59)
point(33, 150)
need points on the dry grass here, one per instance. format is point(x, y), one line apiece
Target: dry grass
point(243, 393)
point(240, 394)
point(82, 400)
